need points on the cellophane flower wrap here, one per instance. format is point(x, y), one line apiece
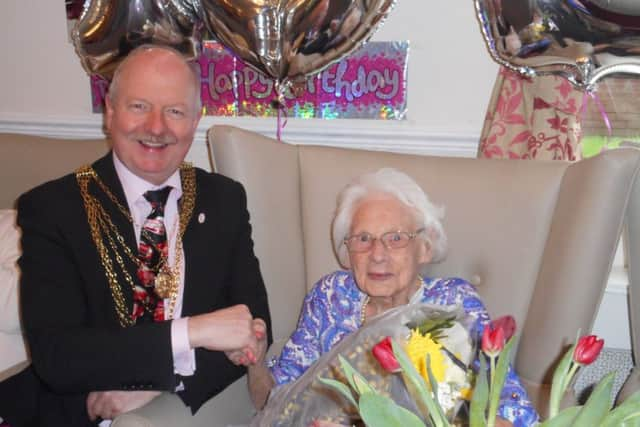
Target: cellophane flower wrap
point(446, 334)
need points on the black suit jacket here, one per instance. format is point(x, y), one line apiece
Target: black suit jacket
point(77, 344)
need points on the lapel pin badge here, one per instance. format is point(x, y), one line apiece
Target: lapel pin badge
point(201, 217)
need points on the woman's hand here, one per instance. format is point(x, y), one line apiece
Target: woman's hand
point(260, 332)
point(259, 377)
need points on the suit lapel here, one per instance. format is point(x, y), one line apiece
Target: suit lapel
point(197, 265)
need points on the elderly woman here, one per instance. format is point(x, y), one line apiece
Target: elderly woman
point(384, 230)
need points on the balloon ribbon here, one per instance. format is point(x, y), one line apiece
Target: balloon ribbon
point(279, 104)
point(603, 113)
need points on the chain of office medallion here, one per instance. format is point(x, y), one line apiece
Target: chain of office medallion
point(102, 227)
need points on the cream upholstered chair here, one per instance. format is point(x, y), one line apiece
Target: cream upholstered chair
point(537, 238)
point(633, 254)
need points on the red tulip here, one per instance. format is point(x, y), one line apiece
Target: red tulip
point(497, 333)
point(587, 349)
point(508, 325)
point(383, 352)
point(492, 340)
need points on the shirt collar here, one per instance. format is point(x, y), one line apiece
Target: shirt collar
point(134, 187)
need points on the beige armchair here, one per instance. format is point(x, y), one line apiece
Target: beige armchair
point(537, 238)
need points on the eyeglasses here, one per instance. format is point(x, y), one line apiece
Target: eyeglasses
point(391, 240)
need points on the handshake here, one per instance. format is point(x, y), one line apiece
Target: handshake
point(232, 330)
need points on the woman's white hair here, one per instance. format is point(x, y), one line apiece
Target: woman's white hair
point(396, 184)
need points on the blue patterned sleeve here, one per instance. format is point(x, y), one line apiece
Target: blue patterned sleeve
point(515, 405)
point(303, 347)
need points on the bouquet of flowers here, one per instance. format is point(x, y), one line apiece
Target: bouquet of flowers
point(439, 341)
point(378, 410)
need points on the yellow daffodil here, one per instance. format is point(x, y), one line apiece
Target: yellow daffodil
point(418, 347)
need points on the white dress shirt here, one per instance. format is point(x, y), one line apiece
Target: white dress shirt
point(184, 361)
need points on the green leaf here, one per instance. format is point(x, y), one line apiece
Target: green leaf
point(627, 413)
point(356, 380)
point(631, 422)
point(435, 327)
point(424, 393)
point(499, 377)
point(340, 388)
point(559, 381)
point(480, 397)
point(362, 385)
point(598, 404)
point(381, 411)
point(564, 418)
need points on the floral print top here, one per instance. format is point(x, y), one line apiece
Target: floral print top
point(331, 311)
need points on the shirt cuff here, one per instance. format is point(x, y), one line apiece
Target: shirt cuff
point(184, 357)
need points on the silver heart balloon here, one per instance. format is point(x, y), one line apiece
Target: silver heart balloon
point(583, 40)
point(108, 29)
point(290, 39)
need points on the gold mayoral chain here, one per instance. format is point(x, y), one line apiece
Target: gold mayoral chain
point(106, 235)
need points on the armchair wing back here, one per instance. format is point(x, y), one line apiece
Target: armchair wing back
point(29, 160)
point(536, 238)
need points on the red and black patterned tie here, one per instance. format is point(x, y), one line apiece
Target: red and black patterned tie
point(152, 251)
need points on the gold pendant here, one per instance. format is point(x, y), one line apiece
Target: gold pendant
point(163, 285)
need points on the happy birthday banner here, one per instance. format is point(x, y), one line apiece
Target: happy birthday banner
point(370, 83)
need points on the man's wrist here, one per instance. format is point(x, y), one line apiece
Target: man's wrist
point(193, 331)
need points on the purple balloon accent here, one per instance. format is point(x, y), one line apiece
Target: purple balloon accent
point(603, 112)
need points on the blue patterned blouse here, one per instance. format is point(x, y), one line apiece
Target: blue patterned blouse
point(331, 311)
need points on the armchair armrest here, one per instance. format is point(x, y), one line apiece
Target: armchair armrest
point(231, 407)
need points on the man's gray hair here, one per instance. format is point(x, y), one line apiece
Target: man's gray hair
point(396, 184)
point(115, 80)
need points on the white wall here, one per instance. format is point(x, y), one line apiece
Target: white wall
point(44, 90)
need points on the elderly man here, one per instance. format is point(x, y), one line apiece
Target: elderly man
point(138, 272)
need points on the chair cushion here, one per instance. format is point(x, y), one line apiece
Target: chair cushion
point(13, 352)
point(9, 273)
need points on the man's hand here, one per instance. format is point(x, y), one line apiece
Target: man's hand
point(109, 404)
point(245, 356)
point(228, 329)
